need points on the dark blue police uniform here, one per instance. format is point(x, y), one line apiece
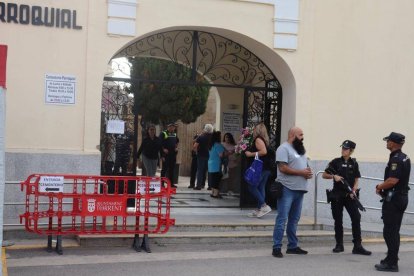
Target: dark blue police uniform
point(394, 192)
point(349, 170)
point(395, 201)
point(169, 141)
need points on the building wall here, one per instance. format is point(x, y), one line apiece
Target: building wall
point(348, 78)
point(35, 128)
point(361, 77)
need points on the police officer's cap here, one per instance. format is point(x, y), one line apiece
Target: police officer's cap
point(171, 124)
point(395, 137)
point(348, 144)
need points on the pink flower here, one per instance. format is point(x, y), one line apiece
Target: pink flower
point(245, 140)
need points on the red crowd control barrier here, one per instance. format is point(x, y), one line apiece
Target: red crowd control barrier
point(59, 204)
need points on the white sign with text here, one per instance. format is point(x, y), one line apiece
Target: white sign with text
point(231, 122)
point(51, 184)
point(115, 127)
point(60, 89)
point(154, 186)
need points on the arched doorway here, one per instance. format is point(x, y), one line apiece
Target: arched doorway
point(224, 63)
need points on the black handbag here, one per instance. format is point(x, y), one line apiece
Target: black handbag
point(276, 189)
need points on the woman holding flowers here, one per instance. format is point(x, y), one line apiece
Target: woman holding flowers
point(260, 145)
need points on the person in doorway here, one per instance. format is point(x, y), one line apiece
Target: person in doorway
point(201, 147)
point(293, 172)
point(123, 153)
point(260, 146)
point(394, 191)
point(151, 151)
point(345, 168)
point(216, 153)
point(193, 170)
point(169, 146)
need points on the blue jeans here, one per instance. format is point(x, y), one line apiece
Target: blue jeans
point(289, 208)
point(202, 165)
point(258, 192)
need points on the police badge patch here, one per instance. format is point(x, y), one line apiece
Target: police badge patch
point(393, 166)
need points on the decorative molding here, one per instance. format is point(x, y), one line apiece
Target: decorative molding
point(286, 22)
point(124, 2)
point(122, 16)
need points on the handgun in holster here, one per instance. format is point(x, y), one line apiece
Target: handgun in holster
point(330, 196)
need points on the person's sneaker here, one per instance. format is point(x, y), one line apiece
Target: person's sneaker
point(174, 186)
point(386, 267)
point(197, 188)
point(253, 214)
point(277, 252)
point(263, 211)
point(338, 248)
point(297, 250)
point(191, 187)
point(360, 251)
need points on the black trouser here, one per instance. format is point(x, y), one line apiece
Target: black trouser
point(108, 167)
point(168, 167)
point(214, 179)
point(193, 170)
point(351, 207)
point(392, 215)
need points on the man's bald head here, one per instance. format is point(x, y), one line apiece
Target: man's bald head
point(295, 132)
point(295, 138)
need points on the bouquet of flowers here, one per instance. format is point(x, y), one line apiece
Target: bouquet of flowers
point(245, 141)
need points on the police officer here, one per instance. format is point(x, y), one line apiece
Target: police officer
point(169, 142)
point(345, 168)
point(394, 191)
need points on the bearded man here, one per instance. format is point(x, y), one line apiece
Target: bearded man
point(293, 172)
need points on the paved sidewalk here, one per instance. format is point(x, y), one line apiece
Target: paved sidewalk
point(235, 215)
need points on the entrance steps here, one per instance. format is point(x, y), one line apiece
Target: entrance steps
point(218, 234)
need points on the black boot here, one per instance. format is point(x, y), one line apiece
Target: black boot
point(387, 267)
point(358, 249)
point(338, 248)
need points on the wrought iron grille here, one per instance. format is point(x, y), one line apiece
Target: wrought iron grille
point(264, 105)
point(213, 57)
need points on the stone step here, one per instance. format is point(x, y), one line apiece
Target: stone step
point(234, 227)
point(21, 233)
point(197, 237)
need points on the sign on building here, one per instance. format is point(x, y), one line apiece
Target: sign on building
point(60, 89)
point(231, 123)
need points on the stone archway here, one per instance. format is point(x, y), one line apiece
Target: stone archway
point(228, 60)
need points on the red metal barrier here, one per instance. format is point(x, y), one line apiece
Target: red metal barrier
point(83, 204)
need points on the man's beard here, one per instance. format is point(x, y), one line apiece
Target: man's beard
point(298, 146)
